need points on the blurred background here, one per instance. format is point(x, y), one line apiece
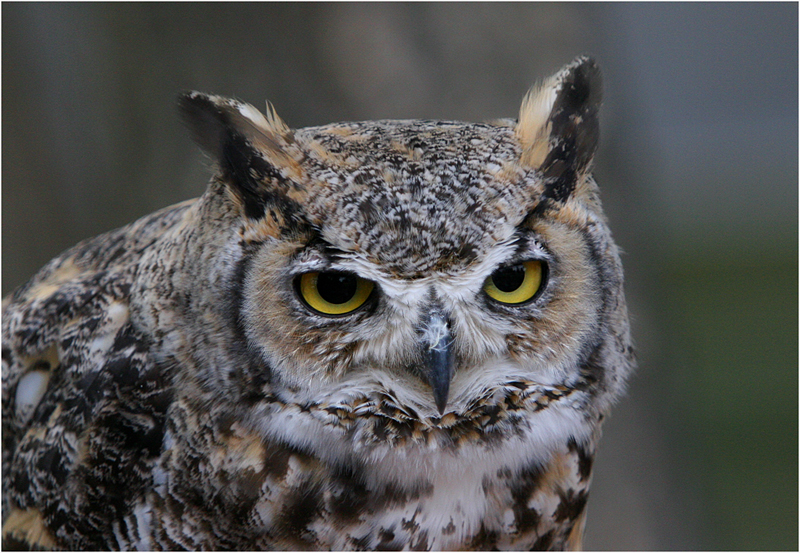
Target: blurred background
point(698, 168)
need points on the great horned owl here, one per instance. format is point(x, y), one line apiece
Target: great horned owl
point(375, 335)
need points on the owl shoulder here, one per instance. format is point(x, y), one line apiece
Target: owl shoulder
point(72, 359)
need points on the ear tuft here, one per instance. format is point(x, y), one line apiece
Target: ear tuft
point(558, 124)
point(533, 128)
point(205, 119)
point(212, 119)
point(250, 148)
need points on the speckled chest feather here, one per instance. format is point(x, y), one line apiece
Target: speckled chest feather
point(376, 335)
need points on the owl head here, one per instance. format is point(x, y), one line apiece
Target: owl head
point(428, 267)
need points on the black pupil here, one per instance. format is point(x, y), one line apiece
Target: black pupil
point(508, 279)
point(336, 287)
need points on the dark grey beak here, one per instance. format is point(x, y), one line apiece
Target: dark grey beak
point(437, 344)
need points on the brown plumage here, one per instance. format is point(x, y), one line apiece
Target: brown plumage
point(387, 334)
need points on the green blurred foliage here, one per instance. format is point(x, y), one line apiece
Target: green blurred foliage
point(734, 374)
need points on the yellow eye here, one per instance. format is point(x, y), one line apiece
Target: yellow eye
point(515, 284)
point(332, 293)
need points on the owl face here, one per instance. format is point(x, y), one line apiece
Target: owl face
point(423, 265)
point(501, 298)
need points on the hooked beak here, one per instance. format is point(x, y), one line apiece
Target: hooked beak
point(437, 345)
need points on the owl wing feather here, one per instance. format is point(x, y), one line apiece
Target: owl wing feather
point(84, 401)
